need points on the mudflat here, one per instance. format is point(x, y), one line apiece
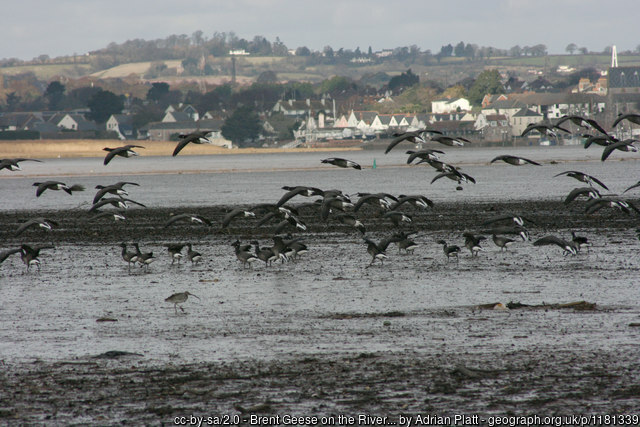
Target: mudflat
point(522, 332)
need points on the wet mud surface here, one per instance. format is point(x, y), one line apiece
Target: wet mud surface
point(324, 335)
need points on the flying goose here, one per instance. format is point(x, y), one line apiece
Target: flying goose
point(567, 247)
point(582, 122)
point(115, 189)
point(633, 118)
point(450, 141)
point(397, 218)
point(329, 204)
point(626, 145)
point(416, 200)
point(378, 200)
point(118, 202)
point(5, 254)
point(625, 206)
point(193, 218)
point(234, 214)
point(415, 137)
point(116, 216)
point(41, 222)
point(300, 190)
point(351, 221)
point(544, 129)
point(514, 160)
point(12, 164)
point(455, 176)
point(581, 176)
point(517, 219)
point(426, 154)
point(124, 151)
point(198, 137)
point(589, 192)
point(56, 185)
point(342, 163)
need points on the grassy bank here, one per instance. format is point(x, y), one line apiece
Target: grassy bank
point(48, 149)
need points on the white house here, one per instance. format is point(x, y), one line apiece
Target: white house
point(447, 105)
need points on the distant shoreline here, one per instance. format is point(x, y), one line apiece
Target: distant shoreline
point(74, 148)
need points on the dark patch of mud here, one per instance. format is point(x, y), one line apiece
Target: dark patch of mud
point(76, 226)
point(559, 382)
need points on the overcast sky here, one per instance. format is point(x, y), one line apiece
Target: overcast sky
point(65, 27)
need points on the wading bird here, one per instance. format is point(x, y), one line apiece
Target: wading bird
point(180, 298)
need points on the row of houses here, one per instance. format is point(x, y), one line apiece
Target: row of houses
point(501, 116)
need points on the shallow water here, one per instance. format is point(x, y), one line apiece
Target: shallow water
point(258, 178)
point(329, 302)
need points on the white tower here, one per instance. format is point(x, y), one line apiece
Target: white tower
point(614, 57)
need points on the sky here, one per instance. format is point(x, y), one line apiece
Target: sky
point(67, 27)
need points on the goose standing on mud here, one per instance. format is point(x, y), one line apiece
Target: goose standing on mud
point(143, 258)
point(128, 256)
point(502, 242)
point(194, 256)
point(376, 251)
point(30, 254)
point(124, 151)
point(175, 251)
point(472, 242)
point(449, 251)
point(342, 163)
point(243, 255)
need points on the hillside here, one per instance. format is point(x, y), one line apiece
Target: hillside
point(293, 68)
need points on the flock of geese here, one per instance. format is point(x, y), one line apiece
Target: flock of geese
point(112, 201)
